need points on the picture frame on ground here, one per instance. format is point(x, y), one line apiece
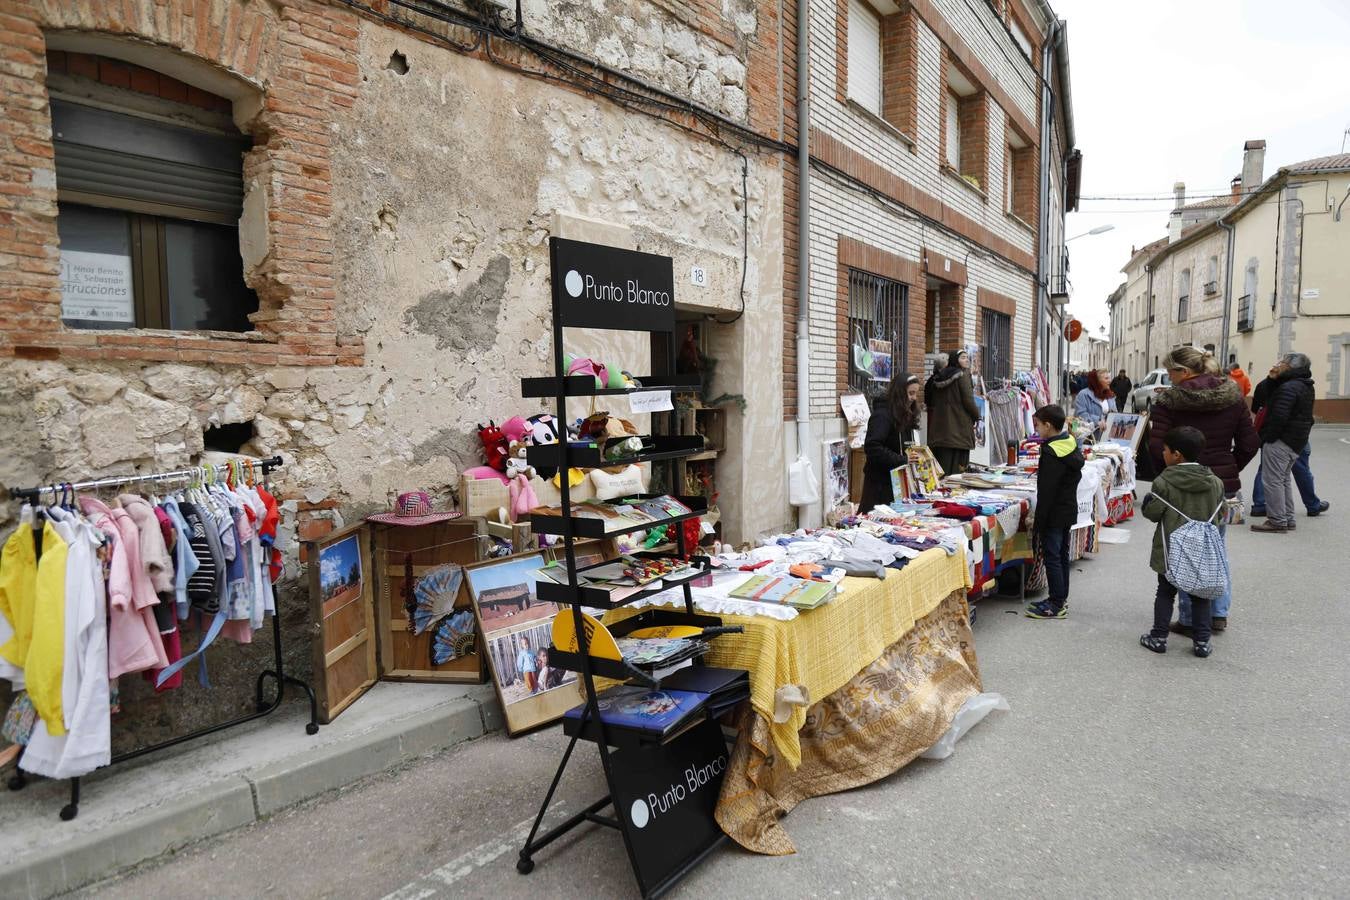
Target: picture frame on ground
point(517, 629)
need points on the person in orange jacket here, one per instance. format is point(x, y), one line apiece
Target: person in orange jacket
point(1235, 372)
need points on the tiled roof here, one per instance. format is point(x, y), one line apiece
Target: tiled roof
point(1213, 203)
point(1322, 164)
point(1146, 250)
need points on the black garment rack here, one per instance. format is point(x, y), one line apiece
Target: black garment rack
point(261, 707)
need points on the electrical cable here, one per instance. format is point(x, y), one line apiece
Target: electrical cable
point(745, 235)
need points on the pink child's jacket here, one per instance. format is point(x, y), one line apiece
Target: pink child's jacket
point(134, 643)
point(154, 553)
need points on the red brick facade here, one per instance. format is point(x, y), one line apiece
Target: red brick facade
point(839, 155)
point(854, 254)
point(297, 57)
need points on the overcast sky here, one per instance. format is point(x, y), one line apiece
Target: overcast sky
point(1169, 90)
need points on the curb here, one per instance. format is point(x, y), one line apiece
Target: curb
point(246, 798)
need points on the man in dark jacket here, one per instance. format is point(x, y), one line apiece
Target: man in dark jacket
point(1285, 429)
point(1058, 472)
point(1121, 387)
point(1303, 476)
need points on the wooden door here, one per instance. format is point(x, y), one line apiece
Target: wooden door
point(341, 587)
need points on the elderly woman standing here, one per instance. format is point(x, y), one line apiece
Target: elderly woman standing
point(952, 413)
point(1096, 401)
point(1200, 396)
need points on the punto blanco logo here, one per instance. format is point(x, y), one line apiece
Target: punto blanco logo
point(574, 283)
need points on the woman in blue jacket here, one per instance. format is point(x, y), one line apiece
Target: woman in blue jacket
point(1096, 401)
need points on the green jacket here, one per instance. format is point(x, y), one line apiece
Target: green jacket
point(1191, 488)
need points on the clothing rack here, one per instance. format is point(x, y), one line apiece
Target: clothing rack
point(261, 708)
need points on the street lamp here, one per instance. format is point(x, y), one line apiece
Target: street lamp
point(1100, 229)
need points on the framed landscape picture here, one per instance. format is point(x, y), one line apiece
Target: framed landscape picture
point(517, 630)
point(1125, 428)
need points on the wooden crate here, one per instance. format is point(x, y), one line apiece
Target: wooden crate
point(361, 630)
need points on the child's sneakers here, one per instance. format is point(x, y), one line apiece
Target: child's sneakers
point(1202, 649)
point(1048, 609)
point(1156, 644)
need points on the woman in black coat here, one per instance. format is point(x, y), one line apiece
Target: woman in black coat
point(889, 431)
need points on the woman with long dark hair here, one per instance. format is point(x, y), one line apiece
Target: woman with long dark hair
point(889, 431)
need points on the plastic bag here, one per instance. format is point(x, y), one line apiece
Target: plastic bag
point(803, 485)
point(967, 717)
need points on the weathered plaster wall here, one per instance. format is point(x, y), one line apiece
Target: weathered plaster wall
point(446, 182)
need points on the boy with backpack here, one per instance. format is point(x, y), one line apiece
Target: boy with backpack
point(1057, 475)
point(1188, 550)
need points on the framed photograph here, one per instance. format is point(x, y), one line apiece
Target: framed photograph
point(1125, 428)
point(836, 473)
point(880, 365)
point(517, 630)
point(340, 573)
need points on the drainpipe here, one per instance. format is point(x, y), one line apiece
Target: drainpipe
point(803, 228)
point(1043, 227)
point(1148, 325)
point(1227, 292)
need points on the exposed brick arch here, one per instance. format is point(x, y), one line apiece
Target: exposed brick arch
point(287, 69)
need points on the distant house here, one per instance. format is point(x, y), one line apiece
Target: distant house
point(517, 595)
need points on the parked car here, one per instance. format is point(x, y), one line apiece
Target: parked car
point(1141, 398)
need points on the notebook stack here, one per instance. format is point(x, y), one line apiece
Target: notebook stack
point(786, 590)
point(638, 714)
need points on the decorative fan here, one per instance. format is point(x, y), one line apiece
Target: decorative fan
point(453, 637)
point(434, 597)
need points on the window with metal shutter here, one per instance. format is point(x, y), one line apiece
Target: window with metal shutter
point(864, 56)
point(117, 161)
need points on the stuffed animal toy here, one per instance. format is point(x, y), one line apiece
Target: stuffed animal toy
point(516, 429)
point(543, 429)
point(522, 497)
point(494, 445)
point(516, 462)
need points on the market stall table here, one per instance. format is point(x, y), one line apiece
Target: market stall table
point(844, 694)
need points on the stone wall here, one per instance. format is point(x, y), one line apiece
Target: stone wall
point(443, 176)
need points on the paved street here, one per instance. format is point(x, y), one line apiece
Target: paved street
point(1117, 772)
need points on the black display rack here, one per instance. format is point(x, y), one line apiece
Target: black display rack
point(574, 267)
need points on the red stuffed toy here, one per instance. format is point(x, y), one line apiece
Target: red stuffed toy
point(494, 445)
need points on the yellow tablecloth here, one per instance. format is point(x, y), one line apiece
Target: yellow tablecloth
point(822, 649)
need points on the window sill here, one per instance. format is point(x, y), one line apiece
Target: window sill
point(1020, 222)
point(882, 123)
point(956, 176)
point(156, 345)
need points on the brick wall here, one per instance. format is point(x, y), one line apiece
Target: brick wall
point(900, 72)
point(853, 254)
point(975, 138)
point(302, 52)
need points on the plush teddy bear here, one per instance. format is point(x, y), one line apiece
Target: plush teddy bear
point(516, 463)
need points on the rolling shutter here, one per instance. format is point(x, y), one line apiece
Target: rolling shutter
point(864, 56)
point(118, 161)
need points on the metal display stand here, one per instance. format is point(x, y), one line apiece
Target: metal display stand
point(278, 673)
point(569, 260)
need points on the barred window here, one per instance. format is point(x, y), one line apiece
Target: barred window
point(878, 311)
point(997, 347)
